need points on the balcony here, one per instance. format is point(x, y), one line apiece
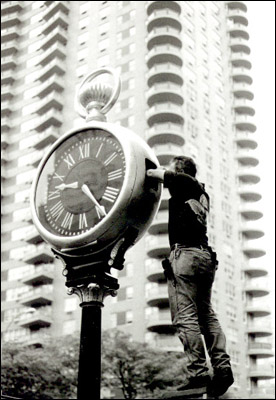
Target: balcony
point(40, 275)
point(55, 82)
point(158, 297)
point(258, 311)
point(7, 78)
point(8, 63)
point(250, 211)
point(255, 271)
point(260, 330)
point(10, 20)
point(55, 7)
point(33, 237)
point(252, 251)
point(239, 45)
point(58, 35)
point(261, 372)
point(52, 101)
point(51, 118)
point(236, 5)
point(160, 223)
point(160, 322)
point(164, 54)
point(41, 254)
point(154, 6)
point(55, 67)
point(39, 319)
point(238, 31)
point(164, 205)
point(47, 137)
point(164, 92)
point(154, 271)
point(57, 50)
point(166, 342)
point(7, 92)
point(37, 297)
point(9, 48)
point(157, 246)
point(247, 158)
point(245, 141)
point(165, 72)
point(5, 125)
point(243, 90)
point(5, 141)
point(59, 19)
point(9, 34)
point(249, 193)
point(240, 60)
point(244, 106)
point(36, 338)
point(238, 16)
point(165, 153)
point(165, 112)
point(165, 133)
point(248, 175)
point(250, 231)
point(6, 108)
point(8, 7)
point(256, 290)
point(260, 350)
point(164, 35)
point(241, 75)
point(262, 393)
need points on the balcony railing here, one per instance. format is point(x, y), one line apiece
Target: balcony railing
point(162, 54)
point(40, 275)
point(249, 193)
point(154, 271)
point(59, 19)
point(37, 297)
point(165, 112)
point(252, 250)
point(164, 35)
point(41, 318)
point(157, 246)
point(50, 118)
point(255, 271)
point(165, 71)
point(250, 211)
point(41, 254)
point(46, 138)
point(167, 132)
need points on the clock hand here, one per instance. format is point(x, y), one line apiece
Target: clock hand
point(62, 186)
point(88, 193)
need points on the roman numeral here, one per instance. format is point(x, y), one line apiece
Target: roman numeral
point(67, 222)
point(69, 161)
point(110, 194)
point(82, 221)
point(117, 174)
point(84, 151)
point(53, 195)
point(110, 158)
point(57, 210)
point(57, 176)
point(99, 150)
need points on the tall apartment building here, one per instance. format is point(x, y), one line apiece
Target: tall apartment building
point(186, 89)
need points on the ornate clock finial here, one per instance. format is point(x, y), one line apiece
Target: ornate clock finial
point(94, 100)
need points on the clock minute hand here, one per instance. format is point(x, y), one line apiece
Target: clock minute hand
point(62, 186)
point(88, 193)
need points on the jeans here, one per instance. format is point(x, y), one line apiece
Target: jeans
point(191, 310)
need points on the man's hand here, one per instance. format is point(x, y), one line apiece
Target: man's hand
point(157, 173)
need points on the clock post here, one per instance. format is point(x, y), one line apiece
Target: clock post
point(91, 200)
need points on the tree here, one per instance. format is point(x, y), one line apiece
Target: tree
point(51, 372)
point(136, 368)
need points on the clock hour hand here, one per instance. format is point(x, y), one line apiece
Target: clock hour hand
point(62, 186)
point(88, 193)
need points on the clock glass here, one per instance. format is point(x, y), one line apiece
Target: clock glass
point(80, 182)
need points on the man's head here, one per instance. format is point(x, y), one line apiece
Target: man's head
point(183, 164)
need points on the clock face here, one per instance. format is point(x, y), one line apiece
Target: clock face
point(80, 182)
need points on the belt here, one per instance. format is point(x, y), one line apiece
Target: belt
point(183, 246)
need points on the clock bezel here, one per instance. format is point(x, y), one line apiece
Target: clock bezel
point(123, 136)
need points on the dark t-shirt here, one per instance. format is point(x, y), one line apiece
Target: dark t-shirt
point(188, 208)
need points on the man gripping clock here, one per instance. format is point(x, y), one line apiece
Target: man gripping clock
point(190, 273)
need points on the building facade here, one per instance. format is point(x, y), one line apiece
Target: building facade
point(186, 89)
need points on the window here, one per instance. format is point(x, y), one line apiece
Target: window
point(104, 28)
point(129, 292)
point(121, 294)
point(84, 7)
point(84, 23)
point(83, 38)
point(129, 269)
point(104, 61)
point(104, 13)
point(81, 71)
point(129, 317)
point(103, 44)
point(82, 54)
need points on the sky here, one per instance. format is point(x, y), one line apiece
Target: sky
point(261, 28)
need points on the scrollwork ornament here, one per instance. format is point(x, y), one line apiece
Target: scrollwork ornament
point(92, 293)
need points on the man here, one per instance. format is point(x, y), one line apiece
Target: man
point(190, 275)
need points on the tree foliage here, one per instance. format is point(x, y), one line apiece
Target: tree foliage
point(129, 370)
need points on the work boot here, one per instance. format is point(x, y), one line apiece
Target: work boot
point(195, 385)
point(221, 381)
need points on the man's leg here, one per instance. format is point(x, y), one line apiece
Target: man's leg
point(182, 296)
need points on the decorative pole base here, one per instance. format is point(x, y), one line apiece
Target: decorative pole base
point(92, 293)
